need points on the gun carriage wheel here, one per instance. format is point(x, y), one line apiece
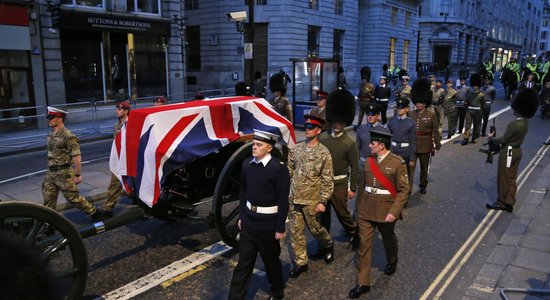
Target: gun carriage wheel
point(225, 200)
point(62, 248)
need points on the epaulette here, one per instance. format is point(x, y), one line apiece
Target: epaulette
point(400, 158)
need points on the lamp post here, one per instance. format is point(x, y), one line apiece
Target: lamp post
point(180, 22)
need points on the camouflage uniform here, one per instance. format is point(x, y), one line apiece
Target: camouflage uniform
point(311, 183)
point(114, 190)
point(62, 147)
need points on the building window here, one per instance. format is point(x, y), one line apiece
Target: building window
point(191, 4)
point(193, 48)
point(542, 46)
point(261, 2)
point(394, 16)
point(393, 41)
point(314, 4)
point(88, 3)
point(338, 43)
point(313, 34)
point(543, 34)
point(408, 19)
point(143, 6)
point(545, 23)
point(339, 7)
point(405, 65)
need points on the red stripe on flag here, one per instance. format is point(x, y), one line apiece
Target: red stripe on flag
point(165, 144)
point(118, 145)
point(222, 122)
point(279, 118)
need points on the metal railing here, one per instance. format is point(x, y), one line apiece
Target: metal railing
point(25, 127)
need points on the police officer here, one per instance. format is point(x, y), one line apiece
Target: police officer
point(310, 167)
point(525, 106)
point(489, 94)
point(345, 159)
point(475, 100)
point(382, 94)
point(461, 93)
point(320, 109)
point(386, 186)
point(115, 190)
point(427, 135)
point(265, 185)
point(64, 165)
point(449, 108)
point(403, 130)
point(278, 86)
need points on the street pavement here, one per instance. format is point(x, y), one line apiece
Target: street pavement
point(520, 260)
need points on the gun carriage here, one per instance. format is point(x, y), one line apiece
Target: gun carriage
point(171, 159)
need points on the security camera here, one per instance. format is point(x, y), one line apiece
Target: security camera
point(237, 16)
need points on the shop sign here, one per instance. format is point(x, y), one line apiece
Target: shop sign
point(112, 23)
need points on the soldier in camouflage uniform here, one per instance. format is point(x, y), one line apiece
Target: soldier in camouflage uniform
point(115, 190)
point(311, 174)
point(63, 155)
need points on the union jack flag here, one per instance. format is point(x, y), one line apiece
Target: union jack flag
point(156, 140)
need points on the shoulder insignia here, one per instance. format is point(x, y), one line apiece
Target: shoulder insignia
point(281, 163)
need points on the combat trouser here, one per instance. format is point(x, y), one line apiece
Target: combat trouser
point(366, 232)
point(472, 117)
point(63, 180)
point(339, 200)
point(451, 122)
point(114, 192)
point(440, 116)
point(507, 175)
point(301, 216)
point(485, 112)
point(461, 115)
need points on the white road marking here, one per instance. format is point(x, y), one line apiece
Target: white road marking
point(493, 217)
point(176, 268)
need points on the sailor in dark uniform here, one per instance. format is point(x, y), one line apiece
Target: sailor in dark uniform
point(403, 129)
point(382, 94)
point(265, 186)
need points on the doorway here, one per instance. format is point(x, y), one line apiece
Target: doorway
point(16, 98)
point(441, 57)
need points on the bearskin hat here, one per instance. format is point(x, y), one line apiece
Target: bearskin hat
point(277, 82)
point(475, 80)
point(526, 103)
point(365, 73)
point(340, 107)
point(421, 91)
point(242, 89)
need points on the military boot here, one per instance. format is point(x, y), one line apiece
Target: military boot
point(329, 255)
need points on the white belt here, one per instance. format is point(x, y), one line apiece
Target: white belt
point(372, 190)
point(267, 210)
point(396, 144)
point(383, 100)
point(474, 107)
point(339, 177)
